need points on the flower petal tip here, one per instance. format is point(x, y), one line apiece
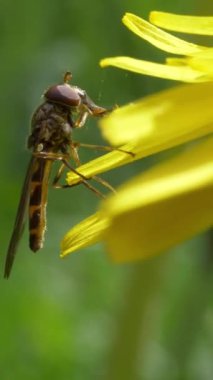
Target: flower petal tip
point(104, 62)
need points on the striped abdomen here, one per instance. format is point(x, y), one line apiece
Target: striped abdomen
point(38, 202)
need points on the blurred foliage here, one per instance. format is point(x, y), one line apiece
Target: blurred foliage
point(85, 318)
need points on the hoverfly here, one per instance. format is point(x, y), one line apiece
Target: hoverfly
point(50, 140)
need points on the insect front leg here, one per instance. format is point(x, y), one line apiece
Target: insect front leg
point(82, 117)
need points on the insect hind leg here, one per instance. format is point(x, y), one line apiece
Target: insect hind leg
point(84, 180)
point(65, 163)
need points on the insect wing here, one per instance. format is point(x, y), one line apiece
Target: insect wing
point(19, 221)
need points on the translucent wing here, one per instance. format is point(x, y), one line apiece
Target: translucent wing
point(19, 221)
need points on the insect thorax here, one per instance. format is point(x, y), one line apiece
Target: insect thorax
point(51, 128)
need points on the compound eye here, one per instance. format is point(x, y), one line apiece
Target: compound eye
point(63, 94)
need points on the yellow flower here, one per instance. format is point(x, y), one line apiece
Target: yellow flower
point(197, 61)
point(174, 200)
point(156, 210)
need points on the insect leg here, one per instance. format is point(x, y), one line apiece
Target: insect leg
point(81, 120)
point(74, 153)
point(84, 180)
point(104, 183)
point(65, 163)
point(55, 183)
point(106, 148)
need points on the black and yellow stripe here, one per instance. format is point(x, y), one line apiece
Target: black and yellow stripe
point(38, 202)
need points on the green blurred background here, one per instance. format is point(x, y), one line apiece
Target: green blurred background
point(83, 317)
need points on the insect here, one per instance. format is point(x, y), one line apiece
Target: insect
point(50, 140)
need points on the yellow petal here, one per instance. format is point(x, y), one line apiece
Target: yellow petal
point(163, 120)
point(179, 72)
point(164, 206)
point(88, 232)
point(180, 23)
point(159, 209)
point(202, 61)
point(104, 163)
point(158, 37)
point(153, 124)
